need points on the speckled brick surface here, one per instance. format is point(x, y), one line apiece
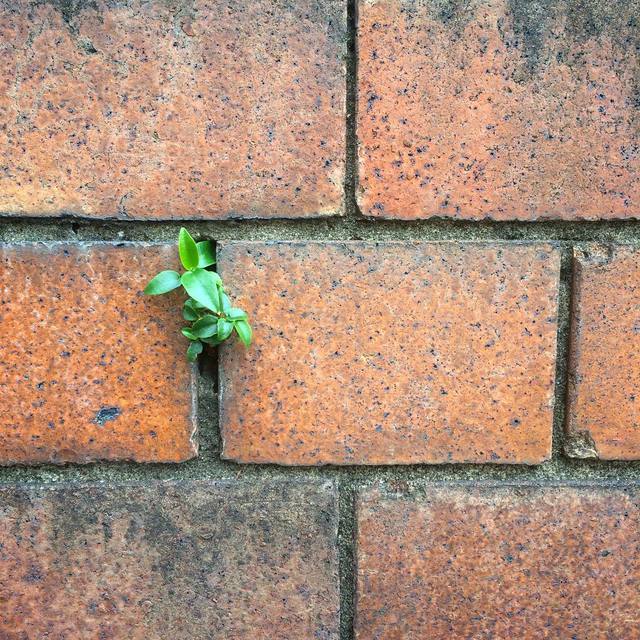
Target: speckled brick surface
point(603, 409)
point(528, 563)
point(500, 109)
point(191, 560)
point(382, 353)
point(90, 368)
point(185, 109)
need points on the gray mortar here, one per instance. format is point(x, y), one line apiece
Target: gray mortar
point(412, 479)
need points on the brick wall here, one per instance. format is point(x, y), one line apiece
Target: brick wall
point(429, 210)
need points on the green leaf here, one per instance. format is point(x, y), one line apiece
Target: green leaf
point(226, 303)
point(225, 328)
point(202, 285)
point(188, 250)
point(206, 327)
point(243, 329)
point(196, 305)
point(221, 293)
point(164, 282)
point(236, 314)
point(206, 254)
point(213, 341)
point(188, 311)
point(194, 350)
point(187, 333)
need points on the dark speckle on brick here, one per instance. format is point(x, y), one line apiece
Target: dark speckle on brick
point(90, 71)
point(105, 414)
point(391, 409)
point(495, 562)
point(540, 91)
point(197, 560)
point(81, 395)
point(602, 420)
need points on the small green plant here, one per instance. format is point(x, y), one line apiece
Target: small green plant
point(208, 308)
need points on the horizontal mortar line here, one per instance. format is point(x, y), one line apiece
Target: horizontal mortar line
point(315, 229)
point(562, 470)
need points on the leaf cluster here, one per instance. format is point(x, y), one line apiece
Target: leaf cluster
point(211, 317)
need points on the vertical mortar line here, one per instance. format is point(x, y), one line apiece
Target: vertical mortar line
point(207, 406)
point(213, 363)
point(351, 152)
point(346, 493)
point(346, 554)
point(562, 349)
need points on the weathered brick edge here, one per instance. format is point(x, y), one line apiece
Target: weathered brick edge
point(602, 408)
point(504, 561)
point(233, 559)
point(106, 378)
point(391, 353)
point(152, 111)
point(498, 110)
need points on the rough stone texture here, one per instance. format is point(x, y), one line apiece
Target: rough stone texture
point(391, 353)
point(603, 416)
point(90, 368)
point(524, 563)
point(503, 109)
point(194, 560)
point(172, 109)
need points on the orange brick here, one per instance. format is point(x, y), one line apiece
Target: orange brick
point(162, 110)
point(510, 562)
point(189, 560)
point(499, 109)
point(603, 403)
point(391, 353)
point(90, 368)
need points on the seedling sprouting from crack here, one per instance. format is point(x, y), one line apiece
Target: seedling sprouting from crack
point(208, 308)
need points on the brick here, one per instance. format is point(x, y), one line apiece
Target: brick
point(391, 353)
point(90, 368)
point(603, 411)
point(163, 110)
point(508, 562)
point(502, 109)
point(195, 560)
